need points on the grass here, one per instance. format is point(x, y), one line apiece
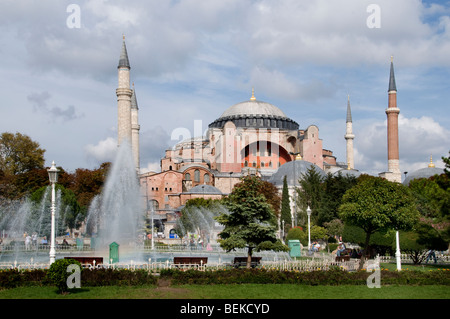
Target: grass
point(244, 291)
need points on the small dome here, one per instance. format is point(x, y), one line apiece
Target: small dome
point(293, 171)
point(204, 189)
point(423, 173)
point(347, 172)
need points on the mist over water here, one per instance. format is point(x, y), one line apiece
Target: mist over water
point(116, 215)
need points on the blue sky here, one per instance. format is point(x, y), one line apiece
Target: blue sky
point(191, 60)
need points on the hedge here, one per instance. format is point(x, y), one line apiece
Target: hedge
point(122, 277)
point(331, 277)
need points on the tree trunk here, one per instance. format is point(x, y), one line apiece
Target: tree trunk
point(366, 253)
point(249, 257)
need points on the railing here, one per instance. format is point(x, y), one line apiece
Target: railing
point(42, 247)
point(405, 258)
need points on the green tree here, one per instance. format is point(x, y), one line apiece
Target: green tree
point(197, 216)
point(376, 204)
point(250, 222)
point(285, 208)
point(310, 193)
point(19, 154)
point(334, 188)
point(417, 242)
point(69, 212)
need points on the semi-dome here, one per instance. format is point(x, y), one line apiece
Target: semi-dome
point(257, 114)
point(293, 171)
point(204, 189)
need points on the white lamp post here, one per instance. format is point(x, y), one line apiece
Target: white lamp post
point(308, 212)
point(53, 176)
point(397, 252)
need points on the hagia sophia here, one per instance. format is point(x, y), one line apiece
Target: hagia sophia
point(250, 137)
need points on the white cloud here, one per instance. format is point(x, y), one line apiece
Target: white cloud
point(419, 138)
point(103, 151)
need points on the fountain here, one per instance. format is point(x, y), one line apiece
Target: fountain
point(24, 218)
point(116, 215)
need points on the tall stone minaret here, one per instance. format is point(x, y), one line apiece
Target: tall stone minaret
point(135, 129)
point(124, 93)
point(349, 136)
point(392, 113)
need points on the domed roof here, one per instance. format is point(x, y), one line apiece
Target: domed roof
point(293, 171)
point(257, 114)
point(423, 173)
point(427, 172)
point(252, 108)
point(204, 189)
point(348, 172)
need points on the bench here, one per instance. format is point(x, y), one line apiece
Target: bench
point(190, 260)
point(87, 260)
point(343, 258)
point(242, 262)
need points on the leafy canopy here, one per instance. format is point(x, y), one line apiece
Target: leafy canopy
point(250, 222)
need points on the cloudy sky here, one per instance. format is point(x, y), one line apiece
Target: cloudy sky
point(192, 59)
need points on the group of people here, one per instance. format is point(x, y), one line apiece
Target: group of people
point(30, 241)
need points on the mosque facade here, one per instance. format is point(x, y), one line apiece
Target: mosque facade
point(250, 137)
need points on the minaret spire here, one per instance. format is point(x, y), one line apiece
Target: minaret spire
point(123, 60)
point(392, 112)
point(349, 137)
point(392, 86)
point(124, 93)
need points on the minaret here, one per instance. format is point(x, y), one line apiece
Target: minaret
point(392, 113)
point(124, 93)
point(349, 136)
point(135, 129)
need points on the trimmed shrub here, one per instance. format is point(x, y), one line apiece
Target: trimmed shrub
point(58, 275)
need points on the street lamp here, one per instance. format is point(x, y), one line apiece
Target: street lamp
point(397, 253)
point(308, 212)
point(53, 176)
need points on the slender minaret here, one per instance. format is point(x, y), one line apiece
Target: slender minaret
point(124, 93)
point(135, 129)
point(392, 113)
point(349, 136)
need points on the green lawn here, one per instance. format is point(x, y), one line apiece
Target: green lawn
point(244, 291)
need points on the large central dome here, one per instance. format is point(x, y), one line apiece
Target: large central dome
point(257, 114)
point(253, 107)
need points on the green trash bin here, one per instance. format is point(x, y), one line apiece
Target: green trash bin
point(114, 252)
point(294, 248)
point(80, 243)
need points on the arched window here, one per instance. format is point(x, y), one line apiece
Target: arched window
point(153, 204)
point(196, 175)
point(187, 177)
point(206, 178)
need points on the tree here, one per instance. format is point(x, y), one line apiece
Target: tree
point(376, 204)
point(310, 192)
point(285, 208)
point(197, 216)
point(69, 212)
point(250, 222)
point(19, 154)
point(417, 242)
point(334, 187)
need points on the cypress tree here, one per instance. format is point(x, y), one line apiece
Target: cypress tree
point(285, 208)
